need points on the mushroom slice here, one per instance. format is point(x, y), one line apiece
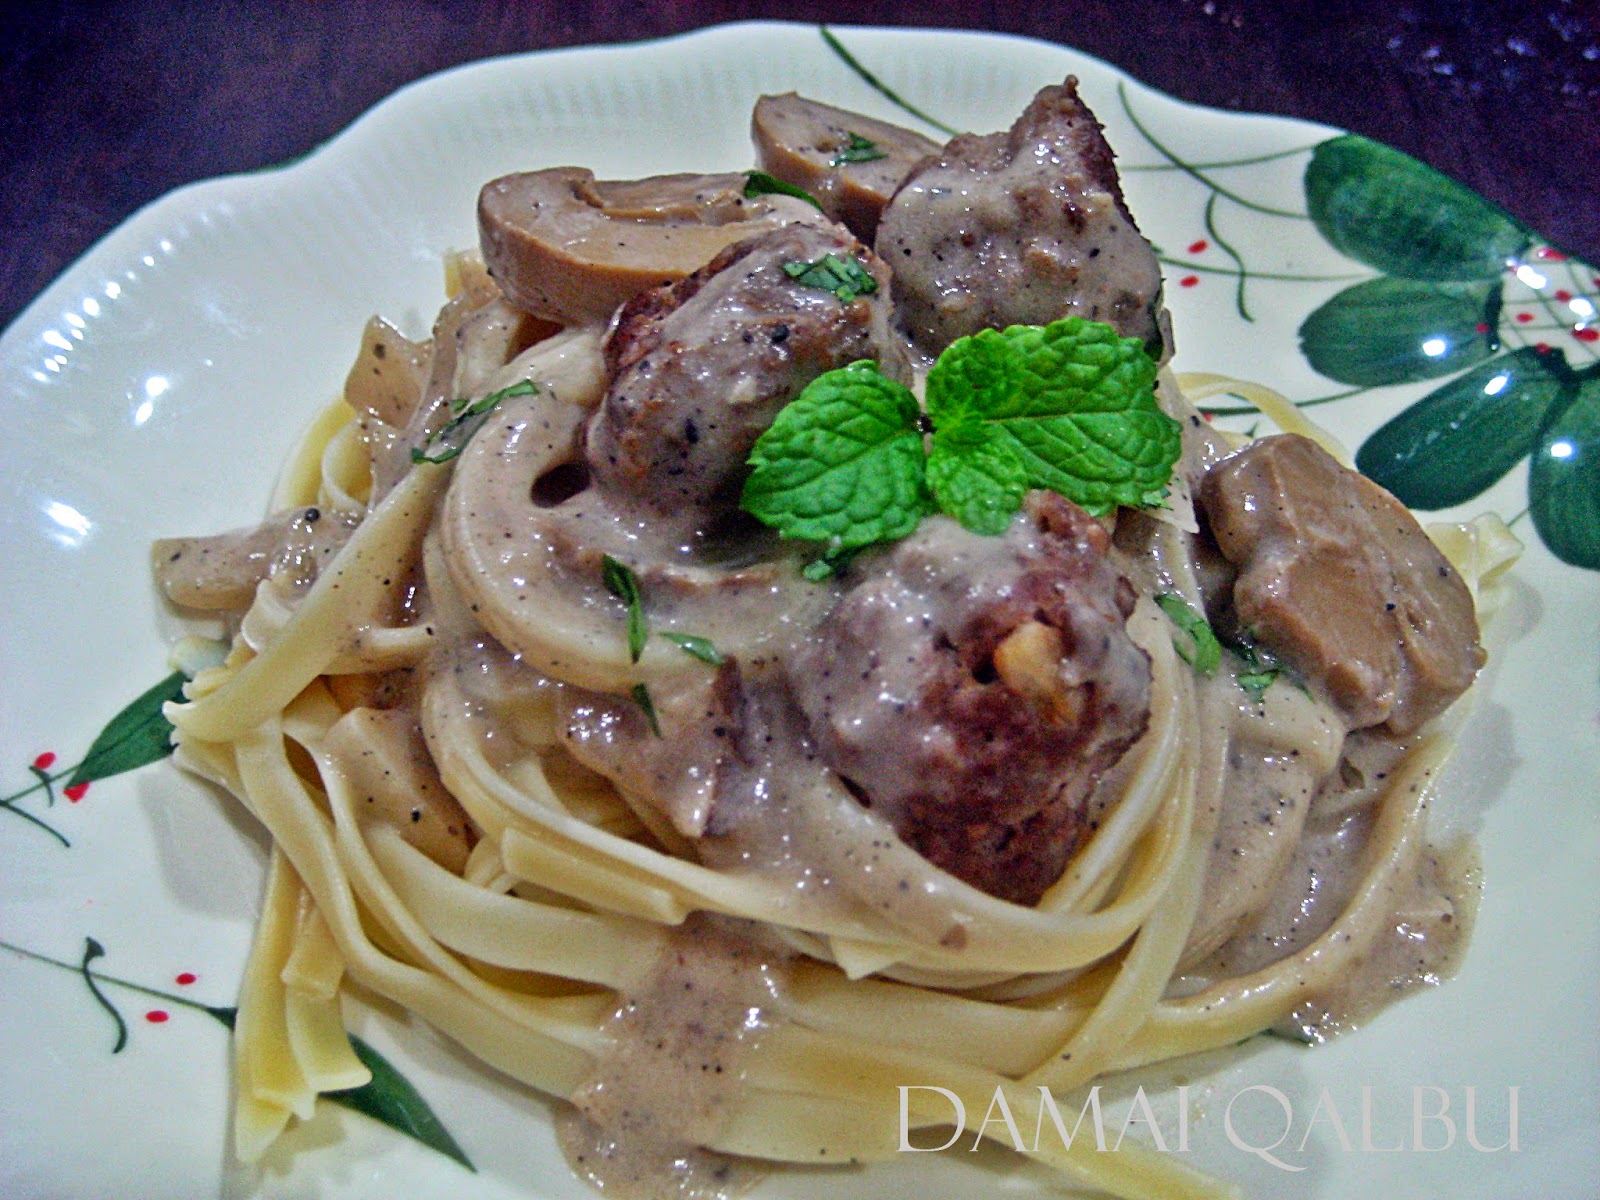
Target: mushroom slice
point(566, 246)
point(1337, 578)
point(851, 163)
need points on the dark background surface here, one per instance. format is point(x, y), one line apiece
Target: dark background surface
point(104, 107)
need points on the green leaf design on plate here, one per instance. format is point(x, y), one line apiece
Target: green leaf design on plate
point(1387, 331)
point(1564, 480)
point(1461, 438)
point(390, 1098)
point(387, 1097)
point(137, 735)
point(1383, 207)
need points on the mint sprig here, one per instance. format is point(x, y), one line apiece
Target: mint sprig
point(1069, 407)
point(1071, 403)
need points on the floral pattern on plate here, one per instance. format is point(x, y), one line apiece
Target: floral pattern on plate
point(1422, 288)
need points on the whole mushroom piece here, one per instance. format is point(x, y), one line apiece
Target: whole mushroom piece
point(568, 247)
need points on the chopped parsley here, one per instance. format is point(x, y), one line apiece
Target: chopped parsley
point(846, 278)
point(696, 647)
point(759, 183)
point(856, 149)
point(1262, 668)
point(1199, 646)
point(641, 696)
point(467, 418)
point(621, 582)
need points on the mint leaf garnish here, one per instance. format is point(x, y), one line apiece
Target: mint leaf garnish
point(842, 463)
point(856, 150)
point(1072, 401)
point(1199, 646)
point(977, 478)
point(759, 183)
point(468, 416)
point(1069, 407)
point(846, 278)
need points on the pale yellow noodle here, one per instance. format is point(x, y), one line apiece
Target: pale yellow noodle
point(565, 902)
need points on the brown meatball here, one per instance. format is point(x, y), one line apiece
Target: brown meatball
point(972, 690)
point(1020, 228)
point(700, 368)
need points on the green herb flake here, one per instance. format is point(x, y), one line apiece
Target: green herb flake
point(1199, 646)
point(831, 565)
point(1256, 683)
point(1261, 668)
point(846, 278)
point(759, 183)
point(857, 149)
point(621, 582)
point(842, 463)
point(696, 647)
point(468, 417)
point(641, 696)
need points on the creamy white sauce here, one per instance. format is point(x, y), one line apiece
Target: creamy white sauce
point(1283, 895)
point(674, 1070)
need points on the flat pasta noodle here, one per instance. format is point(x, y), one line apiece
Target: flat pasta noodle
point(518, 899)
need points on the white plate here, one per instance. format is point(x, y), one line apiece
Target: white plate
point(155, 388)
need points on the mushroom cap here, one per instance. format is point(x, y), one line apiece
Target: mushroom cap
point(808, 145)
point(568, 247)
